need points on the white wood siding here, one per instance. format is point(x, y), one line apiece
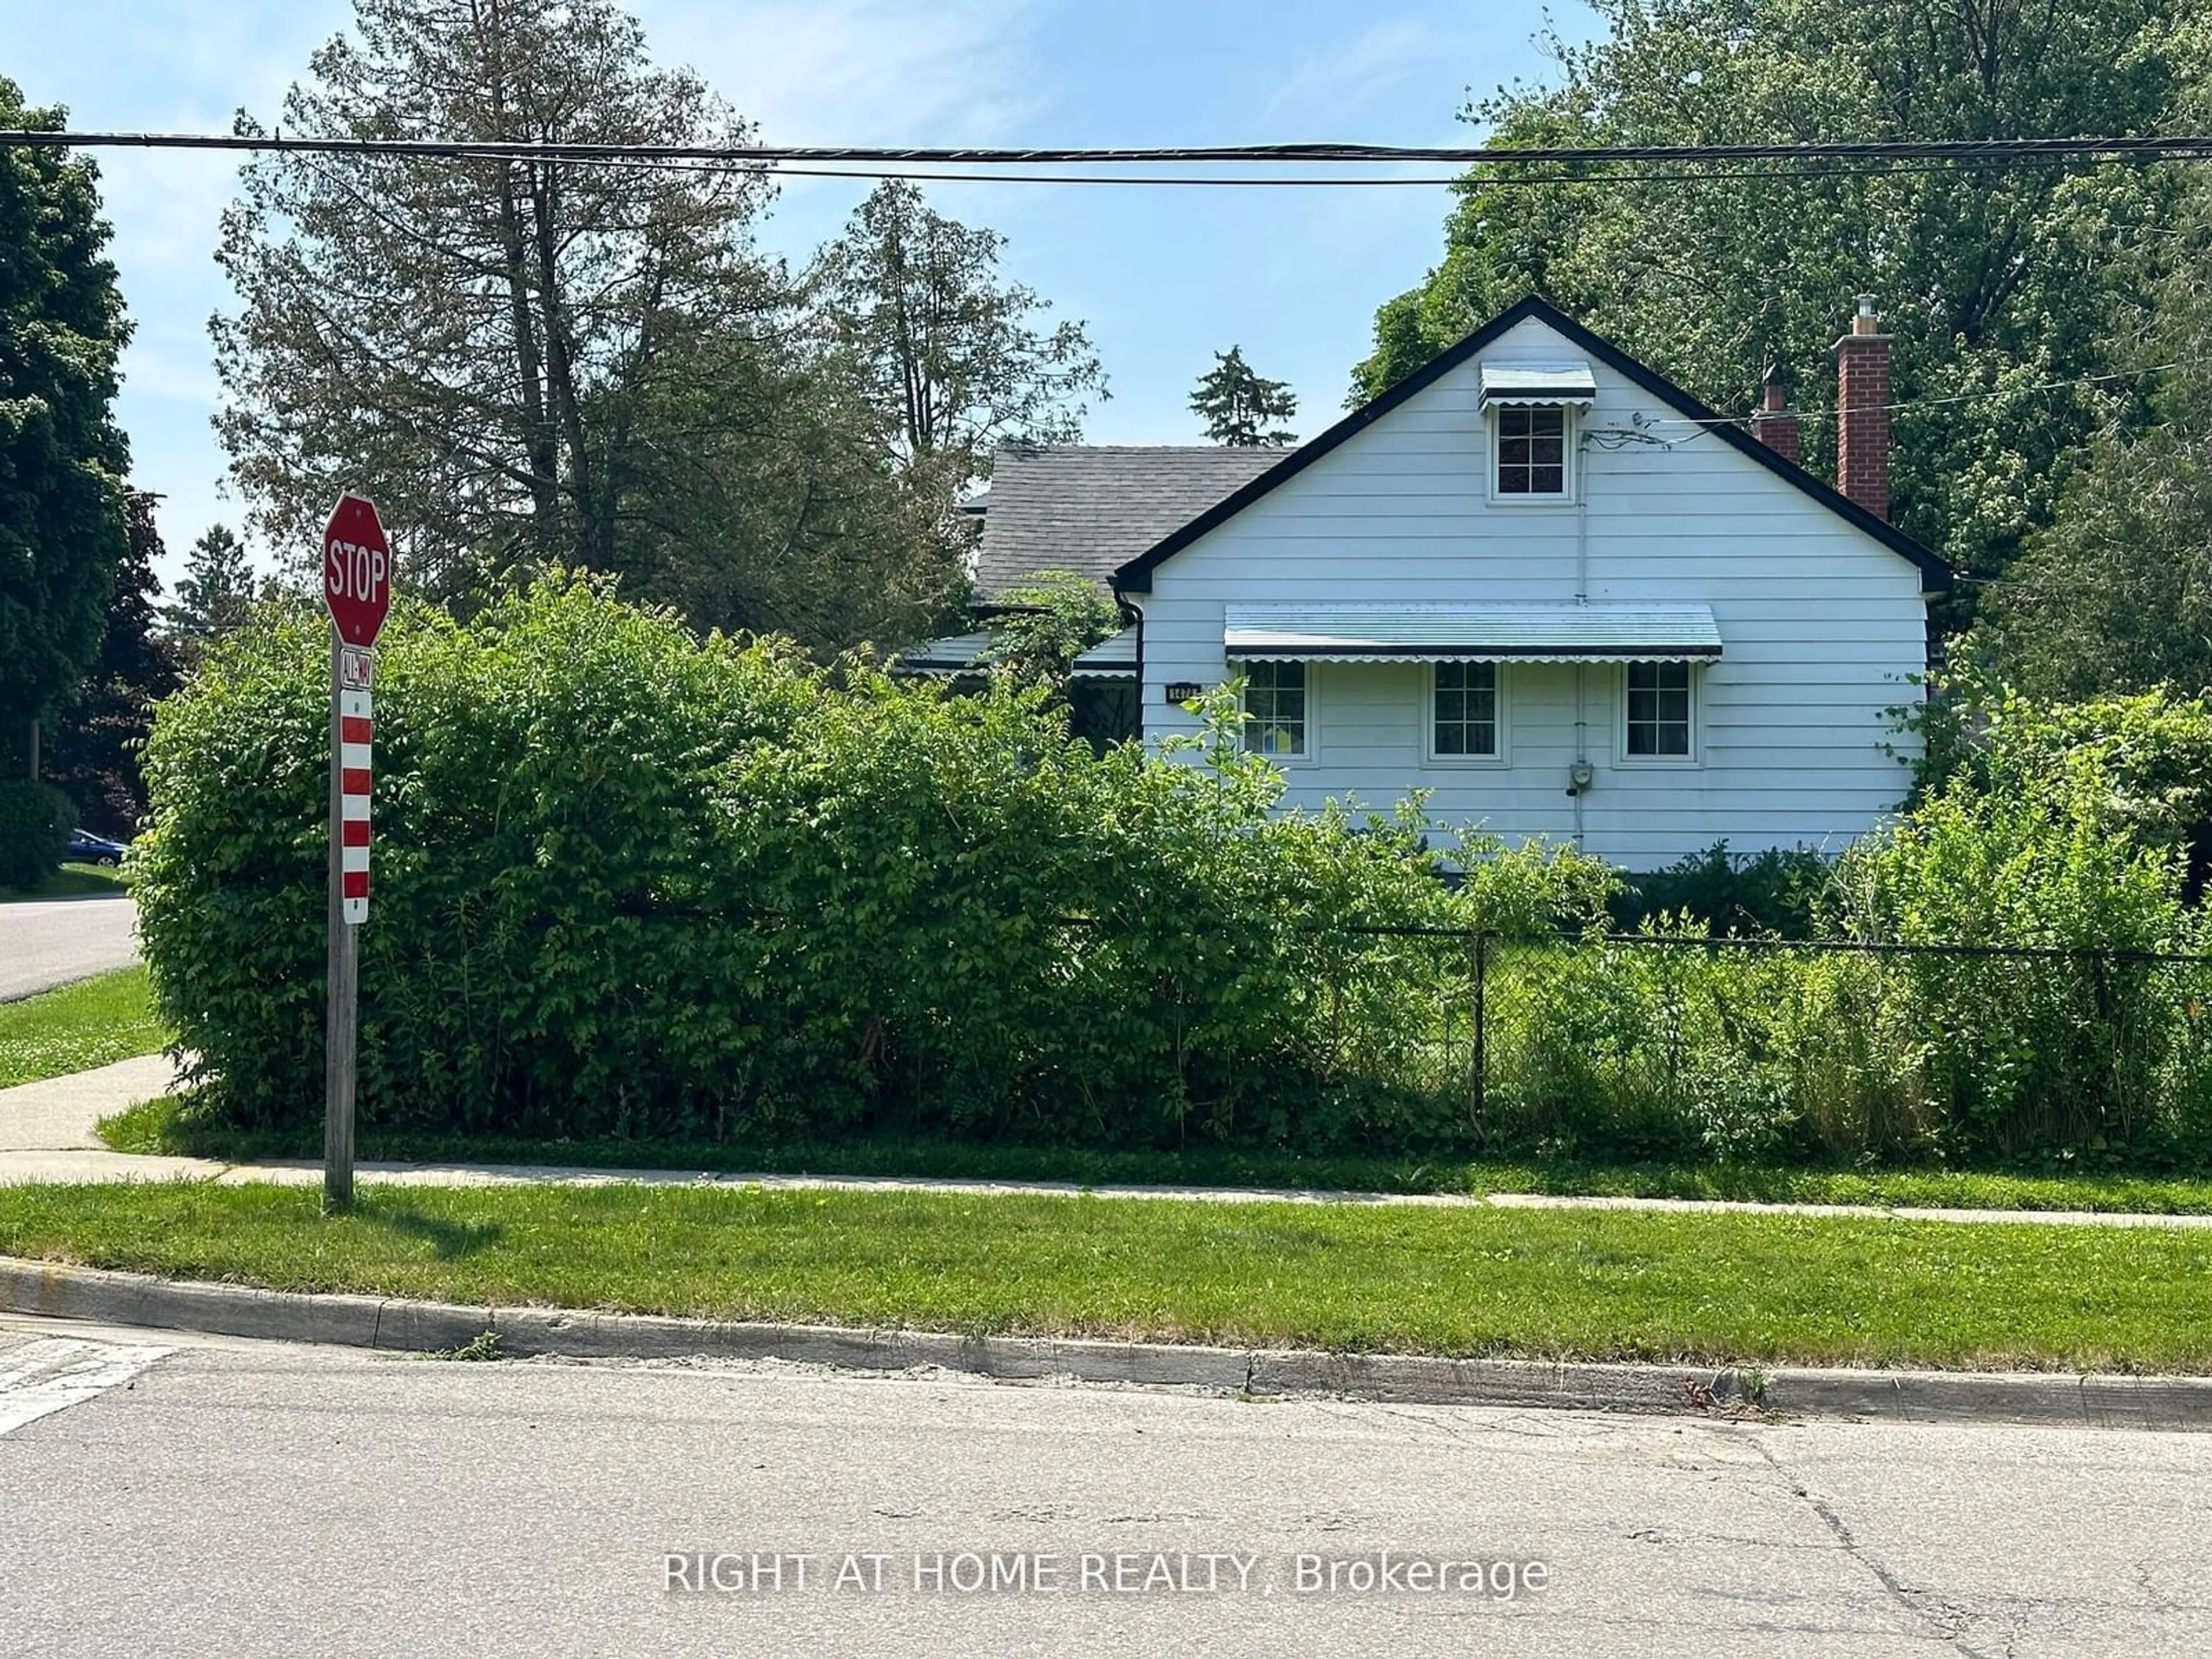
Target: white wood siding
point(1822, 626)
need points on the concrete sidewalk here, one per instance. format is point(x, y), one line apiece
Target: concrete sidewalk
point(58, 1114)
point(47, 1135)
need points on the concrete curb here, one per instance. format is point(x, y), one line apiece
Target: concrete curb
point(363, 1321)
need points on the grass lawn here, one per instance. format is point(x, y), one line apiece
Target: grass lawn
point(74, 1028)
point(168, 1126)
point(1704, 1289)
point(70, 881)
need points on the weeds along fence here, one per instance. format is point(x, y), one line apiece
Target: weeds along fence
point(1673, 1044)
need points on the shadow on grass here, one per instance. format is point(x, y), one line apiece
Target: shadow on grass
point(171, 1126)
point(452, 1241)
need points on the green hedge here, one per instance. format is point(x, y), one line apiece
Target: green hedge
point(631, 883)
point(35, 819)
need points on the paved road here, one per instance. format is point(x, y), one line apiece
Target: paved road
point(258, 1499)
point(52, 941)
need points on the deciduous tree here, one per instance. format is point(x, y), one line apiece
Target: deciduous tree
point(1996, 282)
point(100, 730)
point(2116, 594)
point(63, 458)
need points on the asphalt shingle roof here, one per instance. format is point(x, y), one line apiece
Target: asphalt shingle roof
point(1091, 509)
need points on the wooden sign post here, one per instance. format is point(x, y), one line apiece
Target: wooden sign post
point(357, 588)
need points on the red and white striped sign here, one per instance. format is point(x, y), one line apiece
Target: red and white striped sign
point(356, 732)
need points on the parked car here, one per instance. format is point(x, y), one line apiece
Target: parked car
point(85, 847)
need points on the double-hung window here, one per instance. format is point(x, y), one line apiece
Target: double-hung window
point(1464, 719)
point(1659, 710)
point(1275, 709)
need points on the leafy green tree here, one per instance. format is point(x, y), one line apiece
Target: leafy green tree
point(216, 590)
point(1994, 283)
point(1052, 616)
point(1241, 408)
point(63, 458)
point(99, 733)
point(478, 342)
point(956, 359)
point(793, 522)
point(2116, 595)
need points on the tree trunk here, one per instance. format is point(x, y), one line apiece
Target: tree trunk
point(561, 374)
point(537, 433)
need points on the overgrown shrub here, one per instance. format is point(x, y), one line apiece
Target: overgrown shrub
point(2065, 1048)
point(35, 819)
point(1772, 891)
point(1681, 1048)
point(631, 883)
point(2006, 1000)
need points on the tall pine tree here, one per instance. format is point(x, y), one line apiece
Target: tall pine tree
point(1239, 406)
point(214, 594)
point(956, 359)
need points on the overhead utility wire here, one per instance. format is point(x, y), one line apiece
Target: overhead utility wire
point(2177, 147)
point(1303, 181)
point(1931, 403)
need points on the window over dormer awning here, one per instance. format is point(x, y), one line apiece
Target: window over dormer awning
point(1550, 384)
point(1648, 632)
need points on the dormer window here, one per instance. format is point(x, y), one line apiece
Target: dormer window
point(1531, 408)
point(1532, 452)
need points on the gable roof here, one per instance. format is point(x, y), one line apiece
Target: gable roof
point(1090, 509)
point(1136, 576)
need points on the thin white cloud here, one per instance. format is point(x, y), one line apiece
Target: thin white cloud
point(167, 210)
point(1334, 86)
point(175, 372)
point(954, 71)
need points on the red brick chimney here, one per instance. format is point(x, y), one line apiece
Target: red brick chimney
point(1863, 412)
point(1776, 424)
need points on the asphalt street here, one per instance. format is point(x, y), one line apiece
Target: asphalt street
point(168, 1495)
point(49, 942)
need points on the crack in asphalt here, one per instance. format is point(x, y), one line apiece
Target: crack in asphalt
point(1946, 1620)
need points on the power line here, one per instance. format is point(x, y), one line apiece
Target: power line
point(1954, 397)
point(1303, 181)
point(2134, 149)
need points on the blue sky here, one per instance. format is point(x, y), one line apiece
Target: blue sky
point(1163, 277)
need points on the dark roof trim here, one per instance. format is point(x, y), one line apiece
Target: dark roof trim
point(1136, 576)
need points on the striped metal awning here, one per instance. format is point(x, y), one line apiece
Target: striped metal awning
point(1646, 632)
point(1538, 383)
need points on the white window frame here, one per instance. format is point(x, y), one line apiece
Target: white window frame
point(1499, 755)
point(1695, 758)
point(1569, 414)
point(1313, 729)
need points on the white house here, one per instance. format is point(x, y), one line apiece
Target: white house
point(1536, 580)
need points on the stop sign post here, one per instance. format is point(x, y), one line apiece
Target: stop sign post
point(357, 588)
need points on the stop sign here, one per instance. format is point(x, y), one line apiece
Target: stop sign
point(356, 569)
